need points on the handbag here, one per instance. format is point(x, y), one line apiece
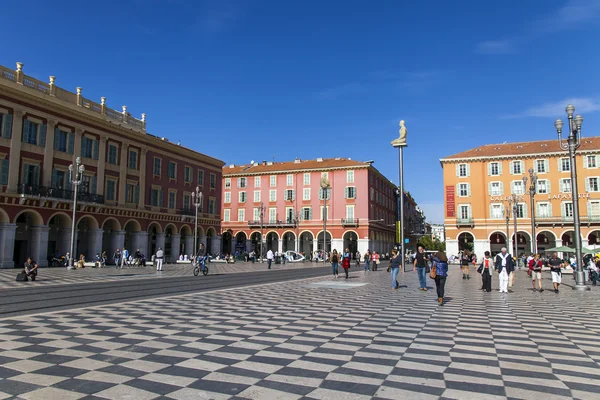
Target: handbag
point(433, 273)
point(389, 268)
point(22, 277)
point(480, 269)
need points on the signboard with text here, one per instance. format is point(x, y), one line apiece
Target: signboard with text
point(450, 201)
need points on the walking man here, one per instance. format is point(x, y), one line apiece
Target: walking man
point(535, 266)
point(420, 265)
point(124, 257)
point(555, 264)
point(504, 265)
point(269, 258)
point(160, 255)
point(486, 272)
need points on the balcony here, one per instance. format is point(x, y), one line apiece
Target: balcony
point(273, 223)
point(464, 222)
point(188, 211)
point(544, 220)
point(350, 222)
point(59, 194)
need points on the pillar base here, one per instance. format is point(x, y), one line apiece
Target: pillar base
point(71, 267)
point(580, 282)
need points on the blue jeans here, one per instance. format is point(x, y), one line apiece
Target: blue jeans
point(367, 265)
point(395, 277)
point(334, 268)
point(422, 279)
point(269, 261)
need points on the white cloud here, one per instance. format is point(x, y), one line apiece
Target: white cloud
point(557, 109)
point(434, 212)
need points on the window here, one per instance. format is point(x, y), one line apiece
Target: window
point(544, 210)
point(350, 176)
point(6, 125)
point(290, 195)
point(133, 159)
point(272, 181)
point(496, 188)
point(257, 181)
point(289, 180)
point(350, 212)
point(213, 181)
point(372, 194)
point(541, 166)
point(517, 167)
point(172, 170)
point(462, 170)
point(494, 168)
point(464, 211)
point(564, 165)
point(272, 215)
point(464, 189)
point(187, 175)
point(350, 192)
point(89, 148)
point(110, 189)
point(307, 178)
point(272, 195)
point(187, 201)
point(157, 166)
point(112, 154)
point(567, 209)
point(594, 208)
point(327, 193)
point(31, 175)
point(156, 199)
point(211, 206)
point(227, 197)
point(59, 179)
point(227, 215)
point(256, 214)
point(171, 199)
point(306, 194)
point(227, 183)
point(257, 196)
point(64, 141)
point(306, 213)
point(565, 185)
point(242, 183)
point(496, 211)
point(543, 186)
point(88, 184)
point(242, 197)
point(200, 177)
point(517, 187)
point(591, 162)
point(289, 215)
point(34, 133)
point(241, 215)
point(521, 210)
point(132, 193)
point(592, 184)
point(325, 215)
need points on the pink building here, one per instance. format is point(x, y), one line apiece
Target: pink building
point(361, 206)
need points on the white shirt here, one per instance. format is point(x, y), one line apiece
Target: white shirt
point(504, 257)
point(269, 255)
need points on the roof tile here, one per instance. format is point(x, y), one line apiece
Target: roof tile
point(268, 167)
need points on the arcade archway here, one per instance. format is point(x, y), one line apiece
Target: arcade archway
point(272, 242)
point(289, 241)
point(306, 243)
point(351, 242)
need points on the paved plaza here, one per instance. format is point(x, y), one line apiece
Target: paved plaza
point(313, 339)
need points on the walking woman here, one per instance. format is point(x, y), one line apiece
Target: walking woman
point(347, 256)
point(486, 271)
point(395, 263)
point(376, 261)
point(465, 260)
point(335, 259)
point(440, 263)
point(367, 260)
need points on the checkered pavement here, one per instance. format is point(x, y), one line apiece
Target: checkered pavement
point(313, 339)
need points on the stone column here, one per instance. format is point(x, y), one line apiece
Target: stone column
point(39, 244)
point(15, 151)
point(202, 239)
point(280, 245)
point(140, 241)
point(48, 154)
point(315, 245)
point(117, 242)
point(189, 245)
point(480, 247)
point(123, 173)
point(94, 243)
point(337, 244)
point(175, 242)
point(216, 244)
point(451, 247)
point(7, 245)
point(101, 166)
point(248, 246)
point(160, 241)
point(363, 246)
point(142, 182)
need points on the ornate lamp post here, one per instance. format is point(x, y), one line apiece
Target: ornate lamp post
point(262, 216)
point(325, 186)
point(76, 179)
point(197, 201)
point(297, 223)
point(507, 213)
point(532, 189)
point(400, 144)
point(513, 203)
point(572, 143)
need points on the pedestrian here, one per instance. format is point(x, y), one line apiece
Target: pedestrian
point(535, 266)
point(335, 259)
point(556, 265)
point(465, 260)
point(420, 265)
point(486, 271)
point(160, 255)
point(367, 260)
point(440, 263)
point(375, 260)
point(395, 263)
point(124, 257)
point(504, 264)
point(30, 269)
point(347, 256)
point(117, 257)
point(357, 258)
point(593, 268)
point(269, 258)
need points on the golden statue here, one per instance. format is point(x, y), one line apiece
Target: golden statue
point(401, 141)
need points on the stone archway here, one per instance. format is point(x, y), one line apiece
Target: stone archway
point(29, 231)
point(255, 239)
point(187, 241)
point(59, 235)
point(112, 238)
point(351, 242)
point(156, 239)
point(210, 234)
point(306, 244)
point(497, 242)
point(466, 241)
point(131, 228)
point(320, 242)
point(172, 241)
point(289, 241)
point(226, 242)
point(88, 240)
point(241, 243)
point(545, 240)
point(272, 242)
point(594, 239)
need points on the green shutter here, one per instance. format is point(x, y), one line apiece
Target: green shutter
point(4, 165)
point(83, 140)
point(70, 143)
point(7, 126)
point(346, 192)
point(136, 194)
point(56, 138)
point(95, 149)
point(160, 198)
point(54, 178)
point(94, 184)
point(42, 141)
point(25, 130)
point(36, 175)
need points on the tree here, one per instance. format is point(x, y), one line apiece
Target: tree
point(431, 244)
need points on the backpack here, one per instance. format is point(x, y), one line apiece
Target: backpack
point(22, 277)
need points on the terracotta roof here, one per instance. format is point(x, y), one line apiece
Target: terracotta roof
point(523, 148)
point(274, 167)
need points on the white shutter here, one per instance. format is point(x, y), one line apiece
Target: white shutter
point(468, 189)
point(293, 195)
point(489, 168)
point(458, 170)
point(562, 209)
point(490, 188)
point(587, 184)
point(501, 188)
point(492, 211)
point(589, 209)
point(499, 167)
point(522, 166)
point(524, 210)
point(537, 210)
point(468, 169)
point(546, 166)
point(512, 187)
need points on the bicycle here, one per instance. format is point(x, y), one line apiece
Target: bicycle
point(202, 267)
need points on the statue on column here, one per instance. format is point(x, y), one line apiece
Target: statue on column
point(401, 141)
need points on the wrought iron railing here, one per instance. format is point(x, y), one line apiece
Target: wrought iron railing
point(349, 221)
point(543, 219)
point(61, 194)
point(464, 221)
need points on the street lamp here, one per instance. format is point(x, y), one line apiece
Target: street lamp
point(76, 179)
point(572, 143)
point(513, 203)
point(532, 189)
point(297, 222)
point(325, 186)
point(262, 216)
point(400, 144)
point(197, 201)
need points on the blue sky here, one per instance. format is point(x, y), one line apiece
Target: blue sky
point(264, 80)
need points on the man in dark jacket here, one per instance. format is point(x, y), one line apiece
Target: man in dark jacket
point(504, 265)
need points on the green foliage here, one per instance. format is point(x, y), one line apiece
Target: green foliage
point(431, 244)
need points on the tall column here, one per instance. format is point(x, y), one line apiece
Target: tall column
point(280, 245)
point(118, 241)
point(160, 241)
point(140, 241)
point(48, 154)
point(94, 243)
point(248, 246)
point(216, 244)
point(123, 173)
point(338, 244)
point(142, 182)
point(39, 244)
point(15, 151)
point(202, 239)
point(189, 245)
point(77, 143)
point(7, 245)
point(175, 242)
point(101, 166)
point(315, 244)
